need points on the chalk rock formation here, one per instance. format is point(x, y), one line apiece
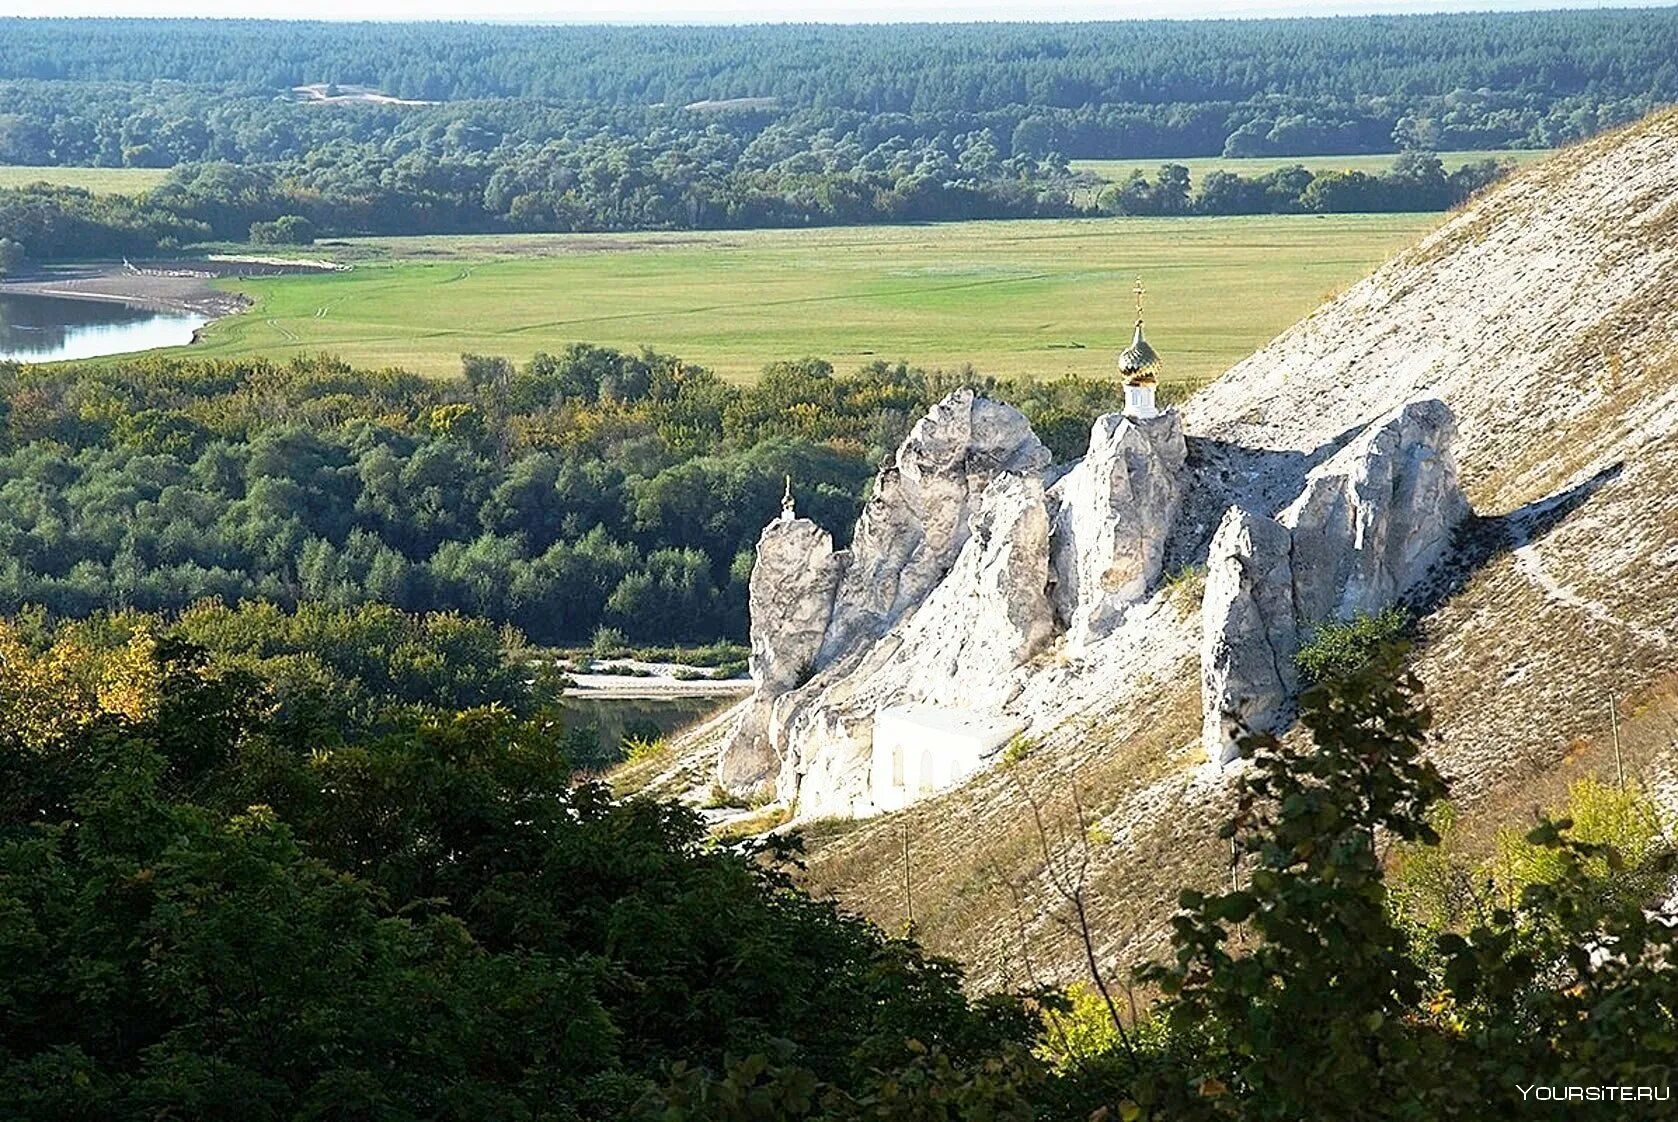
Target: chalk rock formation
point(1112, 517)
point(1377, 516)
point(1370, 523)
point(794, 578)
point(918, 518)
point(958, 650)
point(817, 614)
point(1247, 674)
point(793, 582)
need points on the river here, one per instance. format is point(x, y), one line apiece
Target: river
point(37, 328)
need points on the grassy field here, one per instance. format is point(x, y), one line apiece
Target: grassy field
point(101, 181)
point(1026, 297)
point(1116, 171)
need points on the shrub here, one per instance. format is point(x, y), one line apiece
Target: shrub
point(289, 229)
point(1627, 822)
point(1185, 589)
point(607, 642)
point(1339, 649)
point(638, 748)
point(1017, 749)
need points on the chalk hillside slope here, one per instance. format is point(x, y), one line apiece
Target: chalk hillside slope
point(1546, 316)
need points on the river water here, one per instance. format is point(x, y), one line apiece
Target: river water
point(49, 328)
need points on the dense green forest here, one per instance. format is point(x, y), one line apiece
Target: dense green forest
point(1362, 76)
point(570, 129)
point(586, 489)
point(211, 909)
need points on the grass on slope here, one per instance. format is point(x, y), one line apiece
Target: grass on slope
point(100, 181)
point(1020, 297)
point(1117, 171)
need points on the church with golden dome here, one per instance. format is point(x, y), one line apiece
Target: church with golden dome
point(1139, 367)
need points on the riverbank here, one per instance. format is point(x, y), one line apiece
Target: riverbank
point(627, 678)
point(185, 285)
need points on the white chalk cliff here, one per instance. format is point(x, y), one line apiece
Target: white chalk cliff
point(963, 568)
point(1370, 525)
point(946, 580)
point(1113, 515)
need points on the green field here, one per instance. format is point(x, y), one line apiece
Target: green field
point(1024, 297)
point(1117, 171)
point(101, 181)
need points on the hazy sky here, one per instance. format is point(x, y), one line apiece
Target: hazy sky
point(758, 11)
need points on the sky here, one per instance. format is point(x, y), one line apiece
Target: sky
point(759, 11)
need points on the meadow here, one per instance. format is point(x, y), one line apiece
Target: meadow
point(1117, 171)
point(100, 181)
point(1011, 298)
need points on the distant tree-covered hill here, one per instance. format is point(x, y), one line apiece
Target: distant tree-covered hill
point(895, 69)
point(621, 128)
point(1162, 88)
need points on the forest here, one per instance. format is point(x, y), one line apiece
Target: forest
point(581, 129)
point(1367, 73)
point(576, 491)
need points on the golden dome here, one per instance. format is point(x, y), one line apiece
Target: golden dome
point(1139, 362)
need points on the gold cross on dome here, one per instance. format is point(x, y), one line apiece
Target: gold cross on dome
point(1140, 292)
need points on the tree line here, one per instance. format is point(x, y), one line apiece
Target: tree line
point(592, 488)
point(556, 189)
point(1416, 181)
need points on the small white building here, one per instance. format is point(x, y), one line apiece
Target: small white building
point(920, 749)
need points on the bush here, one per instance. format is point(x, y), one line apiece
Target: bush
point(1186, 588)
point(607, 642)
point(290, 229)
point(1338, 650)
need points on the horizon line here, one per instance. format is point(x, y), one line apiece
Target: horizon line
point(1287, 12)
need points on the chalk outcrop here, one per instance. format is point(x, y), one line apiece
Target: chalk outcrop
point(793, 583)
point(957, 651)
point(1373, 519)
point(1250, 639)
point(963, 568)
point(942, 594)
point(919, 516)
point(1112, 518)
point(1365, 531)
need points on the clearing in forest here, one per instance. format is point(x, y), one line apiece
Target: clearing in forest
point(100, 181)
point(1251, 167)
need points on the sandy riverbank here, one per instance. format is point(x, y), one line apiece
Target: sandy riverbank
point(648, 680)
point(183, 285)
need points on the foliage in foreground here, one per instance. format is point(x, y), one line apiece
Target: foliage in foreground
point(1304, 992)
point(201, 919)
point(202, 915)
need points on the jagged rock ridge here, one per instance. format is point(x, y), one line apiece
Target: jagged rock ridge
point(1370, 524)
point(875, 690)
